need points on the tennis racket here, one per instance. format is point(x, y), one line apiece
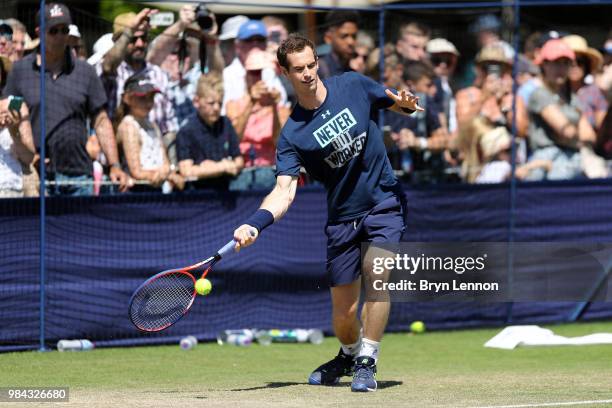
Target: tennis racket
point(165, 298)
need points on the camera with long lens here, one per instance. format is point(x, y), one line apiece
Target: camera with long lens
point(204, 17)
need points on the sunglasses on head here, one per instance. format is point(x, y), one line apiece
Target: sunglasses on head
point(55, 30)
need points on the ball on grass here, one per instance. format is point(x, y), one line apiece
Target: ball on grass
point(417, 327)
point(203, 286)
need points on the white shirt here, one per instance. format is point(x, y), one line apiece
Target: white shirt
point(234, 82)
point(151, 144)
point(11, 176)
point(494, 172)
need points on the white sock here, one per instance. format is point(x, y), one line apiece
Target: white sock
point(369, 348)
point(352, 349)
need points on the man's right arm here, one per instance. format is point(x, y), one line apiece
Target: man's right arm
point(117, 54)
point(277, 203)
point(280, 198)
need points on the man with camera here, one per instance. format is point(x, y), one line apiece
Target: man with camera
point(185, 50)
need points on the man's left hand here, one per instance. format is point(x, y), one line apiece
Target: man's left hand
point(405, 99)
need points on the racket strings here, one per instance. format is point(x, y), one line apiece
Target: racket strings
point(162, 301)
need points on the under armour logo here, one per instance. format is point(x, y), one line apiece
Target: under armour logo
point(326, 114)
point(56, 11)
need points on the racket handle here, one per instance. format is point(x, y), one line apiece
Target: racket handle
point(227, 248)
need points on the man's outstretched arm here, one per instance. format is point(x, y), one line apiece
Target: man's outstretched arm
point(273, 208)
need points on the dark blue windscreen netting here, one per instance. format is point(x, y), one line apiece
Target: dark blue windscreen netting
point(98, 250)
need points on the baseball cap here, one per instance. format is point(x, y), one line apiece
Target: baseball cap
point(551, 35)
point(252, 28)
point(441, 45)
point(100, 48)
point(55, 14)
point(229, 28)
point(140, 85)
point(554, 50)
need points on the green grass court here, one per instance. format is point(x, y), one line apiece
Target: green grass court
point(437, 369)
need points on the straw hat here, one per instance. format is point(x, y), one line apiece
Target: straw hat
point(493, 53)
point(441, 45)
point(580, 46)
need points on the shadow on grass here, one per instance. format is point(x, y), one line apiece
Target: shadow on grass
point(271, 385)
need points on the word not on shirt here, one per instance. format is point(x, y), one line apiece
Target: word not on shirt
point(339, 124)
point(345, 148)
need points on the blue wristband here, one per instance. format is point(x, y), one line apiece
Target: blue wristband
point(260, 219)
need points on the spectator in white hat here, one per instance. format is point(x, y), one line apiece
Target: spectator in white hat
point(75, 42)
point(443, 56)
point(100, 48)
point(177, 52)
point(229, 32)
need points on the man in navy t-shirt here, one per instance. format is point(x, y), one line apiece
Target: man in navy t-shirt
point(332, 134)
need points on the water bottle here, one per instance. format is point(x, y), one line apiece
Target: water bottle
point(166, 187)
point(75, 345)
point(314, 336)
point(189, 342)
point(263, 337)
point(242, 337)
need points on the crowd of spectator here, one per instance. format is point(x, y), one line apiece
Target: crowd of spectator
point(201, 106)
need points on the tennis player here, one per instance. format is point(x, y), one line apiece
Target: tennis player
point(332, 134)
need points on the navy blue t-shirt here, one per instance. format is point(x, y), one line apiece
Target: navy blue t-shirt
point(341, 146)
point(198, 142)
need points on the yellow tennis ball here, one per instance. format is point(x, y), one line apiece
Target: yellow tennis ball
point(417, 327)
point(203, 286)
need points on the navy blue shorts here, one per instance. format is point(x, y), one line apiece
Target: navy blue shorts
point(384, 223)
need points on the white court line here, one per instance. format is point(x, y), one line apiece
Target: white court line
point(550, 404)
